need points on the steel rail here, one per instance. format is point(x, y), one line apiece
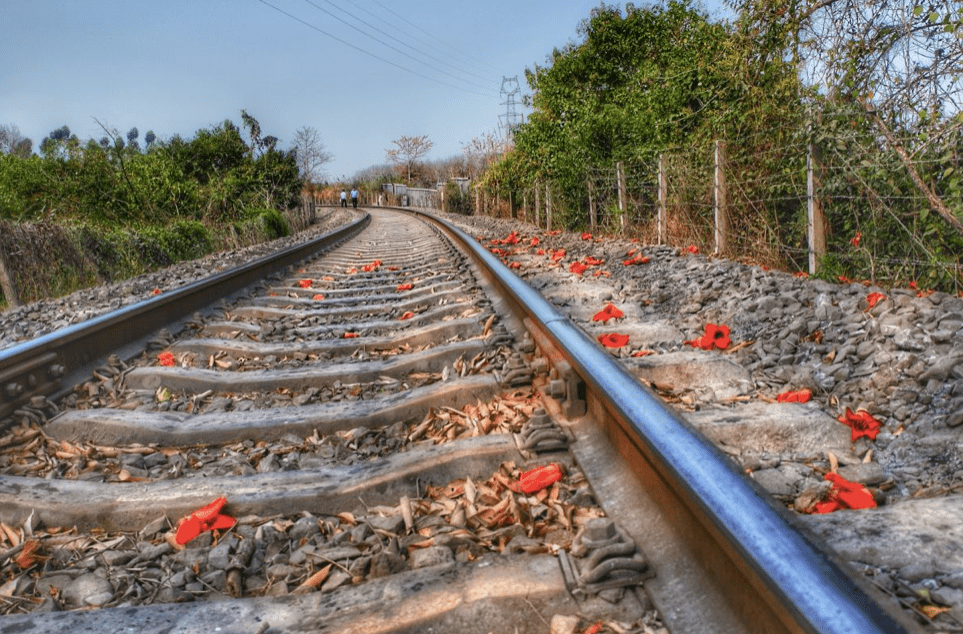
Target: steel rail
point(53, 362)
point(776, 575)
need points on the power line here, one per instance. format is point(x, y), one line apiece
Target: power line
point(403, 43)
point(383, 43)
point(369, 53)
point(405, 20)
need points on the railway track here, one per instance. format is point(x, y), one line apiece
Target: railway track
point(388, 431)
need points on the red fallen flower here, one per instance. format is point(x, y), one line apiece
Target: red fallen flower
point(368, 268)
point(407, 315)
point(577, 267)
point(638, 259)
point(554, 233)
point(515, 265)
point(204, 519)
point(539, 478)
point(598, 273)
point(557, 254)
point(594, 628)
point(305, 283)
point(352, 270)
point(350, 335)
point(799, 396)
point(913, 286)
point(392, 268)
point(607, 313)
point(318, 297)
point(719, 335)
point(874, 298)
point(156, 291)
point(593, 261)
point(498, 252)
point(327, 278)
point(862, 424)
point(166, 358)
point(800, 274)
point(856, 239)
point(715, 337)
point(405, 287)
point(535, 241)
point(845, 495)
point(586, 236)
point(642, 353)
point(512, 238)
point(540, 252)
point(613, 340)
point(693, 249)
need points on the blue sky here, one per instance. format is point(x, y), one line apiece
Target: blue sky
point(175, 66)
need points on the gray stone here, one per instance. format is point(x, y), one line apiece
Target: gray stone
point(773, 428)
point(384, 564)
point(947, 596)
point(59, 582)
point(390, 523)
point(869, 473)
point(905, 532)
point(116, 557)
point(917, 571)
point(174, 595)
point(152, 552)
point(562, 624)
point(220, 556)
point(775, 481)
point(304, 528)
point(337, 579)
point(281, 570)
point(693, 369)
point(217, 579)
point(90, 589)
point(431, 556)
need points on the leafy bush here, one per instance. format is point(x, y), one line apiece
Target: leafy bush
point(456, 200)
point(271, 222)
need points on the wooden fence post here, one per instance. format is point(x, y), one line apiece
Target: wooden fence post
point(7, 284)
point(538, 201)
point(623, 203)
point(591, 197)
point(663, 195)
point(814, 209)
point(719, 201)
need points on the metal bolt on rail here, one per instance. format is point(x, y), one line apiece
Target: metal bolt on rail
point(607, 559)
point(540, 434)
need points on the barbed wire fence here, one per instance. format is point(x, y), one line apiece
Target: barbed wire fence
point(841, 208)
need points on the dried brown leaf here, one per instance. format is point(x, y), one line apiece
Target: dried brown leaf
point(314, 580)
point(11, 535)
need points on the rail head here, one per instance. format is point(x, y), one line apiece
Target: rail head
point(51, 363)
point(796, 578)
